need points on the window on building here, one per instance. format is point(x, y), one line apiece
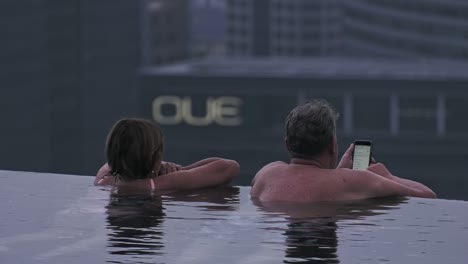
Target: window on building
point(418, 115)
point(455, 114)
point(371, 114)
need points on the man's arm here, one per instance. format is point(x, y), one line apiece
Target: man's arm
point(346, 161)
point(214, 173)
point(367, 184)
point(377, 181)
point(381, 170)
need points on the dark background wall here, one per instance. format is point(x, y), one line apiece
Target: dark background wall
point(64, 64)
point(110, 54)
point(68, 71)
point(24, 101)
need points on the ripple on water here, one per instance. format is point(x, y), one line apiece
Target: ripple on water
point(90, 225)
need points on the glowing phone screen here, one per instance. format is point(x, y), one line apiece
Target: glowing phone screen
point(361, 157)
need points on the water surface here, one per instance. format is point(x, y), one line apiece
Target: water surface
point(47, 218)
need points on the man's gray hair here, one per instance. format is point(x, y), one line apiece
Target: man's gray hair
point(310, 128)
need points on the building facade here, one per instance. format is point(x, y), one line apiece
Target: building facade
point(166, 31)
point(397, 28)
point(283, 28)
point(386, 28)
point(208, 28)
point(412, 112)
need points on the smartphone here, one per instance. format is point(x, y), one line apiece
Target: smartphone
point(362, 154)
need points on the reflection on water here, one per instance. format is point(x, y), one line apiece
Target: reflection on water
point(311, 232)
point(312, 241)
point(135, 220)
point(86, 224)
point(134, 224)
point(216, 199)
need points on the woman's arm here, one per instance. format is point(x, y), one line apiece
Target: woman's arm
point(200, 163)
point(170, 167)
point(205, 173)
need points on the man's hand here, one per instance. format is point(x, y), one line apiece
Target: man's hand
point(169, 167)
point(346, 161)
point(380, 169)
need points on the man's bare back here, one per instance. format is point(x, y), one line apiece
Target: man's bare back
point(303, 181)
point(312, 174)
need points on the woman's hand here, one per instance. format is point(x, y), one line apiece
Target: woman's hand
point(103, 176)
point(169, 167)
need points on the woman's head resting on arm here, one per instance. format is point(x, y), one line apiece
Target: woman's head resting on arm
point(134, 149)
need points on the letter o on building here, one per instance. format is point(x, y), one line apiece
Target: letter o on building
point(167, 119)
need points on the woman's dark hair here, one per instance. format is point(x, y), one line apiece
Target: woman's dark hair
point(310, 128)
point(133, 148)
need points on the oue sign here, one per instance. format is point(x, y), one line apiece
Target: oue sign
point(223, 111)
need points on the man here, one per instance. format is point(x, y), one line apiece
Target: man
point(312, 174)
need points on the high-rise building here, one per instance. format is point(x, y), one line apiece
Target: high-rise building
point(398, 28)
point(283, 27)
point(165, 31)
point(208, 28)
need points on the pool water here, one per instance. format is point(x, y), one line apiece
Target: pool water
point(49, 218)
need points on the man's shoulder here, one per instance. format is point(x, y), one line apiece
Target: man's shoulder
point(268, 170)
point(275, 164)
point(272, 167)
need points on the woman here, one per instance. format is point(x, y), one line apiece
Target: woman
point(134, 151)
